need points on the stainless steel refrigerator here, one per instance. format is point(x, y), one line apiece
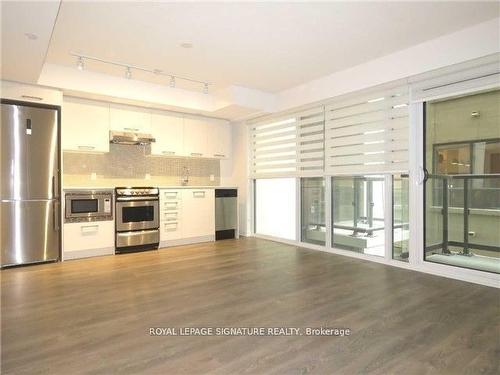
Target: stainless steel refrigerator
point(29, 186)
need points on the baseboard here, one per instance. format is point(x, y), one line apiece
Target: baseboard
point(69, 255)
point(187, 241)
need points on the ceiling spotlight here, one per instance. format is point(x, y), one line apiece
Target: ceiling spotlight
point(31, 36)
point(172, 81)
point(205, 88)
point(79, 64)
point(128, 73)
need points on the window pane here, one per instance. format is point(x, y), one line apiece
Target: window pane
point(275, 207)
point(358, 214)
point(400, 218)
point(452, 159)
point(313, 210)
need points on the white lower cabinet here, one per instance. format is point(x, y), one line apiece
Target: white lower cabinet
point(170, 215)
point(198, 212)
point(88, 239)
point(186, 216)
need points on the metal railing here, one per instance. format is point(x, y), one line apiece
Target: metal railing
point(447, 183)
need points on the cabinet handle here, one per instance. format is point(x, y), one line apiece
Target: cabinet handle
point(172, 226)
point(31, 97)
point(89, 228)
point(132, 129)
point(196, 154)
point(86, 147)
point(199, 194)
point(168, 152)
point(220, 155)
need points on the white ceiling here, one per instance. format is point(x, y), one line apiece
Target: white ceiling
point(23, 58)
point(266, 46)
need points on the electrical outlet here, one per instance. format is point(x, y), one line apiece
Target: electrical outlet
point(212, 177)
point(93, 176)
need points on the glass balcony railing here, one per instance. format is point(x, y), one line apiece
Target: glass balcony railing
point(462, 220)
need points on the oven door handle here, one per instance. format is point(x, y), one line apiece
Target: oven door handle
point(131, 199)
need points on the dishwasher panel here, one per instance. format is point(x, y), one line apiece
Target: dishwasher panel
point(226, 213)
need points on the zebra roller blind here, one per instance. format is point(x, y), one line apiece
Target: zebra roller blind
point(290, 145)
point(368, 133)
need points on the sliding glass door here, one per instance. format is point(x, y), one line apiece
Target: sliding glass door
point(462, 188)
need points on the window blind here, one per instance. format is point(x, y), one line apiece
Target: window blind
point(311, 141)
point(291, 145)
point(368, 133)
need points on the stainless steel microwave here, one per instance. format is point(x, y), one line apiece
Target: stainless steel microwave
point(88, 205)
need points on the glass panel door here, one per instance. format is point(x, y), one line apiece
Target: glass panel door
point(312, 197)
point(462, 189)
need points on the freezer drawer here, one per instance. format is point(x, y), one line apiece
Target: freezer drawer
point(29, 231)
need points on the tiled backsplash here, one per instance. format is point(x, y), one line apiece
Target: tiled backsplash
point(134, 164)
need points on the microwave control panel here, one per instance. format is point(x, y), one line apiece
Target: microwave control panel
point(107, 205)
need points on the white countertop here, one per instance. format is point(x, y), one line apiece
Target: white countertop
point(160, 187)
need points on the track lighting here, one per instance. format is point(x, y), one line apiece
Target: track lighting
point(129, 67)
point(79, 64)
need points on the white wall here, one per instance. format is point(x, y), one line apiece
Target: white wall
point(467, 44)
point(234, 172)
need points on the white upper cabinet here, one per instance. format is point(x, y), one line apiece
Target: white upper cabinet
point(219, 139)
point(85, 125)
point(168, 132)
point(130, 119)
point(195, 138)
point(30, 93)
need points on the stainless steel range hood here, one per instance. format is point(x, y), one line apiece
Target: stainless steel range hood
point(130, 138)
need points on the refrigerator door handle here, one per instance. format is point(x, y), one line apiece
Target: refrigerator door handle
point(55, 187)
point(55, 216)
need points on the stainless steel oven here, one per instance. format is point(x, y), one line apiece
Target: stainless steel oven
point(88, 205)
point(137, 219)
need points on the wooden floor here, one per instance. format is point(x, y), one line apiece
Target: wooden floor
point(93, 316)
